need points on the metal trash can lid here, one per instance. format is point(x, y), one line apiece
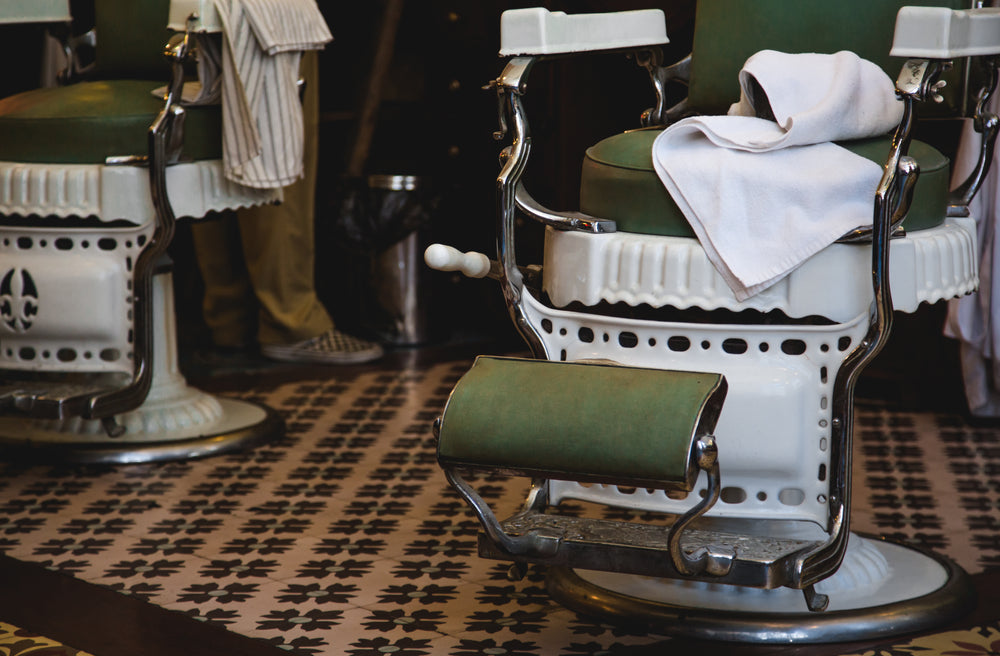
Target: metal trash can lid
point(394, 182)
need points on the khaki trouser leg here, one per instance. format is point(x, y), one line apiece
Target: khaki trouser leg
point(278, 250)
point(229, 305)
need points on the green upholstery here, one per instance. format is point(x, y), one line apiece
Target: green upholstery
point(727, 32)
point(618, 182)
point(566, 420)
point(131, 35)
point(86, 122)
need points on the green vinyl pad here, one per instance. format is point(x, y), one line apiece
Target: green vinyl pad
point(727, 32)
point(618, 182)
point(87, 122)
point(579, 421)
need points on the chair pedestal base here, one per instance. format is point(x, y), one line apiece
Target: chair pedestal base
point(176, 421)
point(172, 436)
point(918, 590)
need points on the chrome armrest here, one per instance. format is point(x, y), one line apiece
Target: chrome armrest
point(987, 124)
point(560, 220)
point(918, 81)
point(36, 11)
point(938, 33)
point(941, 33)
point(193, 16)
point(537, 31)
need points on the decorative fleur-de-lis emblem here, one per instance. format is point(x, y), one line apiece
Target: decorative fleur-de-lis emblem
point(18, 300)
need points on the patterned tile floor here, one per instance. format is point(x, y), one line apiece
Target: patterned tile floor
point(15, 641)
point(344, 538)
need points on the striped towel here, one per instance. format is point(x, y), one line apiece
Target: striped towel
point(262, 130)
point(287, 25)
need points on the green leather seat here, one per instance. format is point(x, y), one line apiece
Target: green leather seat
point(87, 122)
point(618, 182)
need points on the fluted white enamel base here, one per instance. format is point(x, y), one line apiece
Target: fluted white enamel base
point(120, 192)
point(925, 267)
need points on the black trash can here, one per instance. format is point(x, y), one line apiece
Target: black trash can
point(399, 300)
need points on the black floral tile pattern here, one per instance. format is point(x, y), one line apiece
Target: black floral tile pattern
point(344, 538)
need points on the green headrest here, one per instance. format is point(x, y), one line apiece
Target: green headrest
point(727, 32)
point(87, 122)
point(131, 35)
point(618, 182)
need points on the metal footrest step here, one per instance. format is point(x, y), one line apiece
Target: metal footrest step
point(48, 400)
point(629, 547)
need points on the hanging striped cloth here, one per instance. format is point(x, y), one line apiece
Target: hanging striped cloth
point(262, 130)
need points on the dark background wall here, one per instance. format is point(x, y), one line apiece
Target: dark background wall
point(436, 121)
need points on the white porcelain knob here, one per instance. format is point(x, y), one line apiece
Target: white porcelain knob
point(446, 258)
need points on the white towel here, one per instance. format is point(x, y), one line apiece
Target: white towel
point(287, 25)
point(262, 131)
point(764, 195)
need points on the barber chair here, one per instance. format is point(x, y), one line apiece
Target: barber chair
point(94, 175)
point(725, 424)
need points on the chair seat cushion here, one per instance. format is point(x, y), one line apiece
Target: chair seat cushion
point(619, 183)
point(87, 122)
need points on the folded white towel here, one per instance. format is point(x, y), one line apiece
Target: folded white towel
point(764, 195)
point(262, 130)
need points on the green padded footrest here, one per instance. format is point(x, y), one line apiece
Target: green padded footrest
point(580, 421)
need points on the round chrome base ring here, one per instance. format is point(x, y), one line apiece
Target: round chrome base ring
point(954, 598)
point(242, 425)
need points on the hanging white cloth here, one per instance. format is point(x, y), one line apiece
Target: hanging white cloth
point(262, 125)
point(971, 318)
point(765, 194)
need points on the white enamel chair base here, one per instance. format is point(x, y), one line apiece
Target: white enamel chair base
point(120, 192)
point(925, 267)
point(176, 421)
point(781, 376)
point(771, 369)
point(78, 281)
point(878, 580)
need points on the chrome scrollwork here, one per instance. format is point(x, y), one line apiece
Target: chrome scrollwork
point(917, 81)
point(164, 139)
point(712, 559)
point(652, 60)
point(987, 124)
point(560, 220)
point(510, 86)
